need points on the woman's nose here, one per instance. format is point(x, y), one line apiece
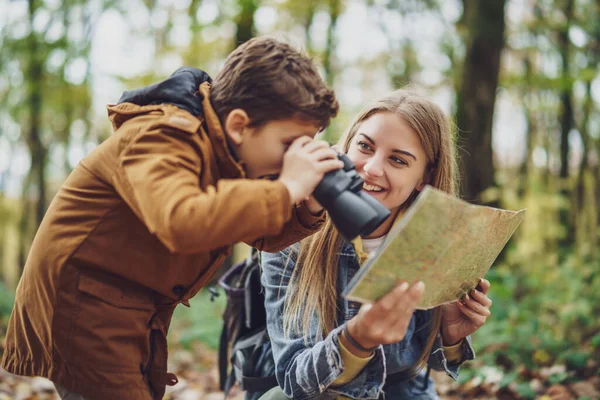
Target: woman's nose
point(373, 168)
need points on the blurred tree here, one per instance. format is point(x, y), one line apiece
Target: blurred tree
point(52, 56)
point(34, 59)
point(566, 113)
point(585, 201)
point(193, 55)
point(544, 304)
point(402, 59)
point(308, 17)
point(334, 9)
point(244, 22)
point(529, 99)
point(476, 98)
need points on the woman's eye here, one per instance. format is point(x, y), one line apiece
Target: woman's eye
point(364, 146)
point(398, 161)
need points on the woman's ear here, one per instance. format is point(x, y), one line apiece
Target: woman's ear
point(235, 125)
point(427, 179)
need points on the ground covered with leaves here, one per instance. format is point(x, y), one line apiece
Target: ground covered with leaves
point(516, 358)
point(196, 369)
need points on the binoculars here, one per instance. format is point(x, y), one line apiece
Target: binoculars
point(351, 210)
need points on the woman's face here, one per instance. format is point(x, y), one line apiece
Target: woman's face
point(390, 158)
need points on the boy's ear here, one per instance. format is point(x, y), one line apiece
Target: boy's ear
point(235, 124)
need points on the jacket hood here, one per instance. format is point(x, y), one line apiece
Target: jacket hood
point(180, 89)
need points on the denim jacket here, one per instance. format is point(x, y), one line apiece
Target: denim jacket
point(306, 370)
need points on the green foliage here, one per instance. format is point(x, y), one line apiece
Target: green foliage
point(575, 360)
point(545, 286)
point(466, 375)
point(7, 300)
point(509, 378)
point(595, 341)
point(544, 304)
point(525, 390)
point(201, 322)
point(558, 378)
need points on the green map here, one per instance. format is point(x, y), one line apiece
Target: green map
point(446, 242)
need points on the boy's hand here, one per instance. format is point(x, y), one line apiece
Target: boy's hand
point(313, 205)
point(304, 165)
point(386, 321)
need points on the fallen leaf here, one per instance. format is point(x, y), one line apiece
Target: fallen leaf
point(559, 392)
point(585, 389)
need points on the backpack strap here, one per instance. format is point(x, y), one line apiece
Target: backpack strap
point(262, 384)
point(243, 366)
point(229, 382)
point(223, 358)
point(234, 291)
point(426, 385)
point(237, 283)
point(252, 266)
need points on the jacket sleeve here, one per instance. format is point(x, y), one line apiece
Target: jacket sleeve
point(306, 368)
point(158, 177)
point(301, 225)
point(439, 362)
point(437, 359)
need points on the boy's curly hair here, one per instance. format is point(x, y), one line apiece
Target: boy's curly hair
point(270, 80)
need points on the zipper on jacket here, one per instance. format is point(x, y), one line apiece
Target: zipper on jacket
point(145, 369)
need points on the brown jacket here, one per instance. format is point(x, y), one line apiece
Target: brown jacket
point(139, 226)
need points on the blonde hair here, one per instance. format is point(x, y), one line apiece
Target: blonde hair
point(314, 279)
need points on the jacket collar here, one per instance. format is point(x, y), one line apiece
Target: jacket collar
point(180, 89)
point(189, 89)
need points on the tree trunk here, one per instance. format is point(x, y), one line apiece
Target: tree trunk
point(37, 149)
point(584, 201)
point(477, 95)
point(245, 29)
point(25, 222)
point(566, 121)
point(334, 13)
point(328, 56)
point(566, 95)
point(307, 23)
point(36, 178)
point(194, 56)
point(585, 140)
point(530, 131)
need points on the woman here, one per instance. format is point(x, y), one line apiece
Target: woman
point(323, 345)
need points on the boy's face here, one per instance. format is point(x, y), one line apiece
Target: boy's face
point(262, 148)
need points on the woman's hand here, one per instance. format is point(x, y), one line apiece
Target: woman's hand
point(385, 321)
point(463, 317)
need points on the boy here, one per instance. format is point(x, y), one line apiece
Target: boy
point(145, 220)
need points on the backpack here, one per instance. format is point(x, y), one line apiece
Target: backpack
point(245, 355)
point(245, 344)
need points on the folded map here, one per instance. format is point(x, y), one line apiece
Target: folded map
point(441, 240)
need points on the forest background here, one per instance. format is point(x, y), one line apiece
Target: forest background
point(520, 79)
